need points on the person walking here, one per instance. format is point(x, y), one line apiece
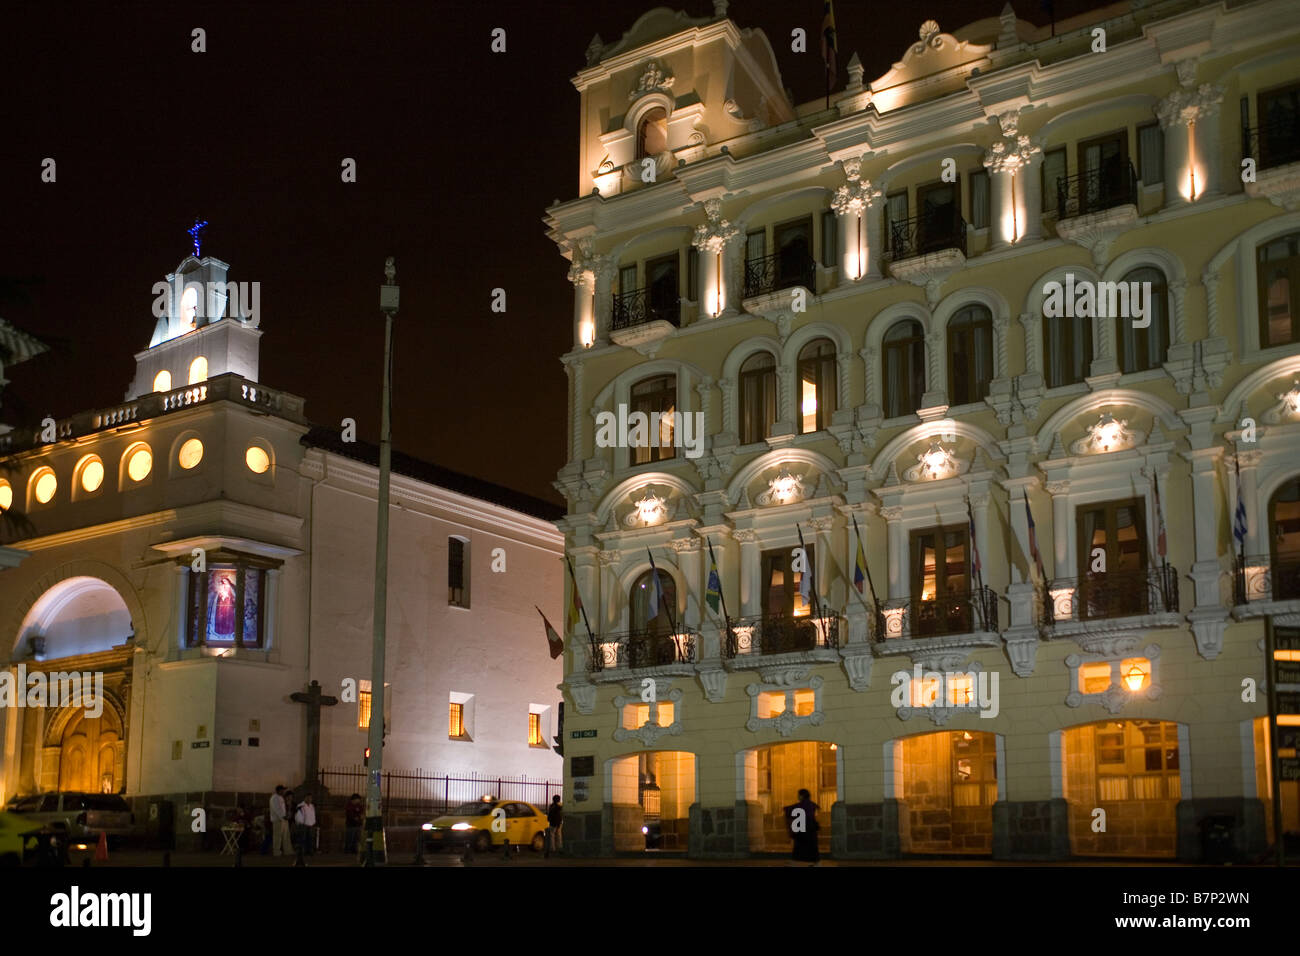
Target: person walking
point(555, 820)
point(281, 843)
point(305, 817)
point(354, 815)
point(803, 828)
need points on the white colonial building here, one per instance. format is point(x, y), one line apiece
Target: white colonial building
point(210, 553)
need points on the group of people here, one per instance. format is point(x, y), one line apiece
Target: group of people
point(293, 823)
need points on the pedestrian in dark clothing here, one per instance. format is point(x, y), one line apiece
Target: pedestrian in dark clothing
point(555, 820)
point(803, 828)
point(354, 815)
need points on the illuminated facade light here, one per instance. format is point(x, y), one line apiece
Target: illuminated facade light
point(1136, 676)
point(45, 485)
point(139, 462)
point(1291, 399)
point(257, 459)
point(646, 511)
point(6, 495)
point(162, 382)
point(932, 464)
point(784, 489)
point(1107, 434)
point(198, 370)
point(191, 453)
point(92, 474)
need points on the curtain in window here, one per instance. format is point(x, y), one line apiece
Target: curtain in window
point(1151, 153)
point(757, 397)
point(1145, 348)
point(817, 385)
point(979, 199)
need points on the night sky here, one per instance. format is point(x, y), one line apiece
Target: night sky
point(459, 151)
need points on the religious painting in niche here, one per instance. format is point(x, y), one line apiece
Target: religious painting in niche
point(221, 606)
point(217, 616)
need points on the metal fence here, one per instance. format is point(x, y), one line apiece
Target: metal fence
point(421, 789)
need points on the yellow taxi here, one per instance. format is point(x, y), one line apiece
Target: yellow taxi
point(17, 838)
point(486, 823)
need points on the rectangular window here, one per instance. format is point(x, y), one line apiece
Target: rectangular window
point(663, 294)
point(1068, 349)
point(457, 573)
point(456, 721)
point(1279, 126)
point(895, 220)
point(1103, 166)
point(940, 579)
point(938, 207)
point(830, 239)
point(657, 399)
point(1113, 560)
point(1054, 173)
point(535, 731)
point(794, 262)
point(627, 279)
point(1278, 278)
point(693, 274)
point(363, 705)
point(756, 245)
point(1151, 153)
point(979, 198)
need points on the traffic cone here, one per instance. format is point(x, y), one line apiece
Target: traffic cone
point(101, 851)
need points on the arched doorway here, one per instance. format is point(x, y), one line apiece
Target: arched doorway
point(775, 773)
point(91, 750)
point(651, 795)
point(1130, 770)
point(950, 783)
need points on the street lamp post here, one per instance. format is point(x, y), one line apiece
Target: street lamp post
point(388, 301)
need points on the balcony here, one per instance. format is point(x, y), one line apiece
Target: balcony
point(1101, 603)
point(766, 636)
point(1097, 190)
point(927, 234)
point(963, 618)
point(644, 650)
point(779, 271)
point(1272, 145)
point(1260, 583)
point(643, 315)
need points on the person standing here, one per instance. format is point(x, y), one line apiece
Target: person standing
point(354, 815)
point(281, 843)
point(305, 817)
point(554, 820)
point(801, 819)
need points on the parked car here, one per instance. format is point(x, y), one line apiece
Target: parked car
point(472, 824)
point(17, 838)
point(81, 816)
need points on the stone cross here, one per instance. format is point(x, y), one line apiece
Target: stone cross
point(314, 700)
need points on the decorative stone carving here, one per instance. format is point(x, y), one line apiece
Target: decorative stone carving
point(929, 271)
point(650, 732)
point(647, 511)
point(857, 665)
point(655, 78)
point(785, 675)
point(714, 683)
point(1013, 150)
point(713, 236)
point(583, 266)
point(744, 535)
point(1096, 231)
point(1107, 434)
point(1185, 106)
point(784, 489)
point(855, 196)
point(584, 695)
point(787, 721)
point(594, 50)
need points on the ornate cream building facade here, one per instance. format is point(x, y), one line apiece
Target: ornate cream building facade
point(1025, 312)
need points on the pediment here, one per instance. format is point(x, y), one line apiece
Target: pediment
point(934, 52)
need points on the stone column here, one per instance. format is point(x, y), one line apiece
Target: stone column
point(1064, 562)
point(688, 560)
point(1249, 462)
point(899, 584)
point(751, 573)
point(853, 201)
point(1007, 159)
point(604, 302)
point(582, 275)
point(712, 240)
point(1205, 498)
point(1189, 118)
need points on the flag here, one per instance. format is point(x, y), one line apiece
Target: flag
point(829, 43)
point(1161, 544)
point(657, 593)
point(554, 640)
point(974, 546)
point(713, 593)
point(1239, 517)
point(1033, 539)
point(575, 602)
point(859, 567)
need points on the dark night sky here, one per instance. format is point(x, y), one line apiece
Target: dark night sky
point(459, 152)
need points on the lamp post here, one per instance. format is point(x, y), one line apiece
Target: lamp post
point(389, 294)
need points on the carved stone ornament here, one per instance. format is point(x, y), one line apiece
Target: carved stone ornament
point(1185, 106)
point(930, 36)
point(784, 489)
point(1013, 150)
point(1107, 434)
point(714, 683)
point(713, 236)
point(584, 695)
point(646, 511)
point(585, 263)
point(1287, 407)
point(655, 78)
point(935, 463)
point(857, 195)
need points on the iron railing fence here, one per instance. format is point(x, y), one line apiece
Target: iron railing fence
point(643, 647)
point(782, 270)
point(421, 789)
point(1266, 577)
point(1118, 594)
point(643, 305)
point(762, 634)
point(1094, 190)
point(928, 232)
point(960, 612)
point(1272, 144)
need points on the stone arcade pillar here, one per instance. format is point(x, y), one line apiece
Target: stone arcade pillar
point(1015, 200)
point(1189, 117)
point(859, 211)
point(713, 241)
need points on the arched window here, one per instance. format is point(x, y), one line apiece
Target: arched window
point(1278, 272)
point(1067, 347)
point(904, 368)
point(652, 133)
point(1144, 348)
point(656, 398)
point(1284, 548)
point(970, 355)
point(817, 385)
point(642, 600)
point(757, 397)
point(198, 370)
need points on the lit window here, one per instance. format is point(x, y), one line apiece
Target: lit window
point(45, 485)
point(456, 722)
point(961, 690)
point(198, 370)
point(635, 715)
point(771, 703)
point(817, 385)
point(1094, 678)
point(535, 730)
point(363, 705)
point(6, 495)
point(92, 474)
point(190, 308)
point(804, 701)
point(139, 462)
point(191, 453)
point(257, 459)
point(924, 692)
point(903, 360)
point(665, 715)
point(162, 382)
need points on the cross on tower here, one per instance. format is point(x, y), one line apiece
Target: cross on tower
point(194, 231)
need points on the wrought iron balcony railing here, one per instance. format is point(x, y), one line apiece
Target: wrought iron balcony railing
point(926, 233)
point(1272, 144)
point(1266, 578)
point(644, 305)
point(781, 635)
point(779, 271)
point(1110, 594)
point(962, 612)
point(637, 649)
point(1095, 190)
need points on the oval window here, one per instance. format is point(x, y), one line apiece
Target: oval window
point(92, 475)
point(139, 463)
point(46, 485)
point(191, 453)
point(257, 459)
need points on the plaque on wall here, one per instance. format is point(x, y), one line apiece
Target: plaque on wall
point(582, 766)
